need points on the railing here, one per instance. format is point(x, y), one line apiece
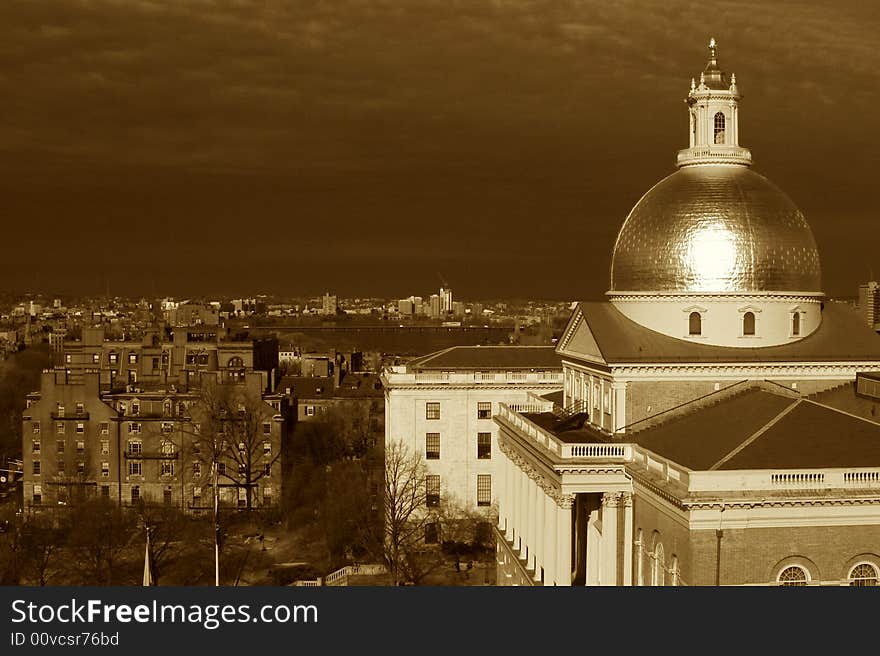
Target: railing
point(815, 479)
point(340, 577)
point(600, 451)
point(715, 152)
point(395, 377)
point(695, 481)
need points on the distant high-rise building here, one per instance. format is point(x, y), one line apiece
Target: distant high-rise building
point(458, 309)
point(445, 299)
point(329, 304)
point(405, 306)
point(869, 303)
point(435, 306)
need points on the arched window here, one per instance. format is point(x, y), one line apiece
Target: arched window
point(695, 324)
point(796, 323)
point(793, 576)
point(676, 577)
point(658, 569)
point(719, 128)
point(863, 574)
point(749, 323)
point(235, 363)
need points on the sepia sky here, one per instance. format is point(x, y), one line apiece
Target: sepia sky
point(363, 146)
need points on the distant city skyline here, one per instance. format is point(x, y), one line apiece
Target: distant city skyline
point(302, 147)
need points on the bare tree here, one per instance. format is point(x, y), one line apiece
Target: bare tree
point(100, 533)
point(43, 537)
point(231, 440)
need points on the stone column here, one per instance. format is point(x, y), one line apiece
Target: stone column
point(626, 500)
point(550, 537)
point(523, 524)
point(539, 531)
point(563, 540)
point(501, 478)
point(618, 407)
point(530, 529)
point(608, 575)
point(516, 508)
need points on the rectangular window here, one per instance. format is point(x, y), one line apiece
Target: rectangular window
point(197, 495)
point(105, 428)
point(310, 410)
point(484, 410)
point(36, 470)
point(197, 470)
point(105, 447)
point(105, 469)
point(35, 446)
point(80, 428)
point(432, 490)
point(267, 493)
point(59, 428)
point(132, 358)
point(167, 427)
point(484, 446)
point(36, 427)
point(221, 468)
point(113, 358)
point(432, 533)
point(105, 491)
point(80, 447)
point(60, 467)
point(135, 493)
point(134, 447)
point(80, 408)
point(38, 495)
point(267, 428)
point(68, 358)
point(60, 410)
point(155, 363)
point(167, 468)
point(96, 358)
point(135, 408)
point(80, 467)
point(484, 489)
point(432, 410)
point(267, 448)
point(135, 468)
point(432, 446)
point(59, 446)
point(267, 470)
point(134, 428)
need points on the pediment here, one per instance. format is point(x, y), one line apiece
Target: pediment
point(578, 341)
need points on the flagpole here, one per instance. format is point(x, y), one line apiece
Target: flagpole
point(216, 527)
point(148, 574)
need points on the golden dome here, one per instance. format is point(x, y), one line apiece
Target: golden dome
point(715, 228)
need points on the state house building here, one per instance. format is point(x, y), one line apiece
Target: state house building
point(719, 423)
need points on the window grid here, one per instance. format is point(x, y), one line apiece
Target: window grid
point(432, 410)
point(432, 489)
point(484, 410)
point(484, 489)
point(432, 446)
point(484, 446)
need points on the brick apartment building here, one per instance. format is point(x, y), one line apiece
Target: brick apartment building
point(141, 422)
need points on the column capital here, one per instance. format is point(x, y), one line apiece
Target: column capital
point(565, 500)
point(611, 499)
point(626, 499)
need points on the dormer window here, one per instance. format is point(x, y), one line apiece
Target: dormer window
point(695, 324)
point(719, 127)
point(749, 323)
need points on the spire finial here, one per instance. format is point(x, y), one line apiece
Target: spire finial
point(712, 42)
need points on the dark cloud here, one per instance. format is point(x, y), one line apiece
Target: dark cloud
point(365, 144)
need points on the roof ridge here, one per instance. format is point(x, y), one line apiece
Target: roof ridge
point(430, 356)
point(843, 412)
point(758, 433)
